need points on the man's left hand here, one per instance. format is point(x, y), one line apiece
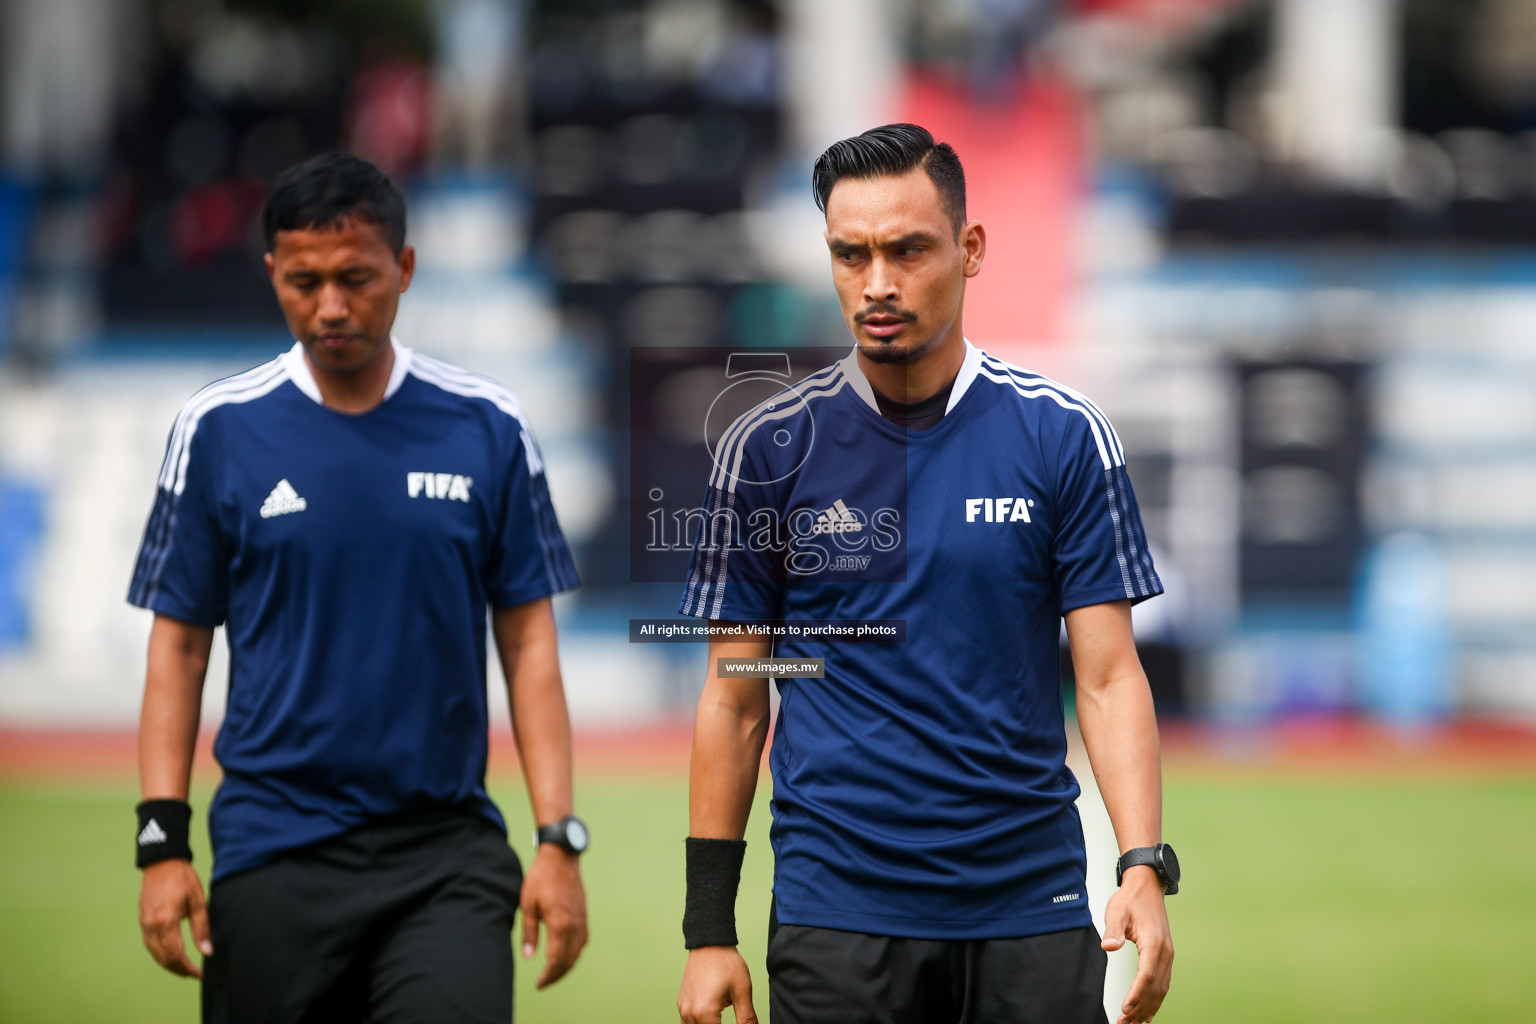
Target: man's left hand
point(552, 894)
point(1136, 912)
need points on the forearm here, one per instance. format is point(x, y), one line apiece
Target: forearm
point(542, 726)
point(728, 735)
point(541, 722)
point(173, 693)
point(1119, 727)
point(1120, 731)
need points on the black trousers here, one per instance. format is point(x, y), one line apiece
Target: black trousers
point(403, 921)
point(823, 976)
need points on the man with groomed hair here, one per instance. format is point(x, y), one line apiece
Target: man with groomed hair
point(348, 512)
point(929, 862)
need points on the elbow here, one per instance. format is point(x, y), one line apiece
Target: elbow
point(1101, 689)
point(732, 708)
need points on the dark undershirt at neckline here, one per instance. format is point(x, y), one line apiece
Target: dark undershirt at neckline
point(920, 415)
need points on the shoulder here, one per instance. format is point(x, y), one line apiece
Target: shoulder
point(238, 390)
point(474, 391)
point(1055, 409)
point(800, 400)
point(751, 437)
point(462, 387)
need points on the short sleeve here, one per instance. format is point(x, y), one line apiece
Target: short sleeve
point(182, 570)
point(528, 557)
point(732, 576)
point(1100, 547)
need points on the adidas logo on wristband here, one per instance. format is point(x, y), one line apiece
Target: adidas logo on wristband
point(152, 833)
point(162, 831)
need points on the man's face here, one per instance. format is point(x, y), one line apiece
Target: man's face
point(339, 288)
point(897, 264)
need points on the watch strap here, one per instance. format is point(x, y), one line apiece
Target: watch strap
point(1150, 857)
point(558, 832)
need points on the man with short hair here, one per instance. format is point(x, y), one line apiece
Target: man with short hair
point(348, 511)
point(928, 858)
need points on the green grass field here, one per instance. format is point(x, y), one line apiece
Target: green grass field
point(1306, 900)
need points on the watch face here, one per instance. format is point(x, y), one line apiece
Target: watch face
point(576, 834)
point(1170, 863)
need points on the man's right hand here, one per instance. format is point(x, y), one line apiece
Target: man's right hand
point(171, 893)
point(716, 977)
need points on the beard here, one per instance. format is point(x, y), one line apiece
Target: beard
point(895, 350)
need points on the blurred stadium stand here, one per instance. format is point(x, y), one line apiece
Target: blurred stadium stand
point(1289, 246)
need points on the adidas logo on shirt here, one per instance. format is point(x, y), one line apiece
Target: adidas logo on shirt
point(438, 485)
point(283, 500)
point(152, 833)
point(837, 519)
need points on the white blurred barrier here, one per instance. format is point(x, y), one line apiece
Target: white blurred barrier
point(93, 439)
point(1103, 851)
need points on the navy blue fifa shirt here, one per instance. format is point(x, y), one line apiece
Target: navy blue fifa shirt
point(920, 789)
point(351, 559)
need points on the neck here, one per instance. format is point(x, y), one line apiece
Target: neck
point(922, 377)
point(356, 391)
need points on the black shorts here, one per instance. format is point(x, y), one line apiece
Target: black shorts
point(403, 920)
point(823, 976)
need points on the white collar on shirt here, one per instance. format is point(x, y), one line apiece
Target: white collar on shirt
point(304, 379)
point(968, 369)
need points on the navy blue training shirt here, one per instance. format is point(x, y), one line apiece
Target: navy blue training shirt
point(351, 559)
point(921, 789)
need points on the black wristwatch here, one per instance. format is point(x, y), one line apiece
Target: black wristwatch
point(1159, 858)
point(569, 833)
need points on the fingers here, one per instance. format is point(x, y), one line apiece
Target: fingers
point(553, 898)
point(560, 951)
point(554, 958)
point(1114, 927)
point(1153, 970)
point(169, 894)
point(1142, 919)
point(164, 944)
point(202, 935)
point(530, 910)
point(716, 977)
point(699, 1016)
point(163, 940)
point(1133, 1010)
point(741, 999)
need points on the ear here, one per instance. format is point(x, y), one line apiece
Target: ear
point(272, 269)
point(407, 261)
point(973, 247)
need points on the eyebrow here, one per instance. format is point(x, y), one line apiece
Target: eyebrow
point(910, 238)
point(350, 270)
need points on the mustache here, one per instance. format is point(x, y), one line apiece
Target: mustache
point(884, 309)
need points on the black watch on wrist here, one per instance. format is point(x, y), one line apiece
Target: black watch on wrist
point(569, 833)
point(1159, 858)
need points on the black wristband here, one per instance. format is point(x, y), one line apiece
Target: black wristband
point(164, 829)
point(714, 873)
